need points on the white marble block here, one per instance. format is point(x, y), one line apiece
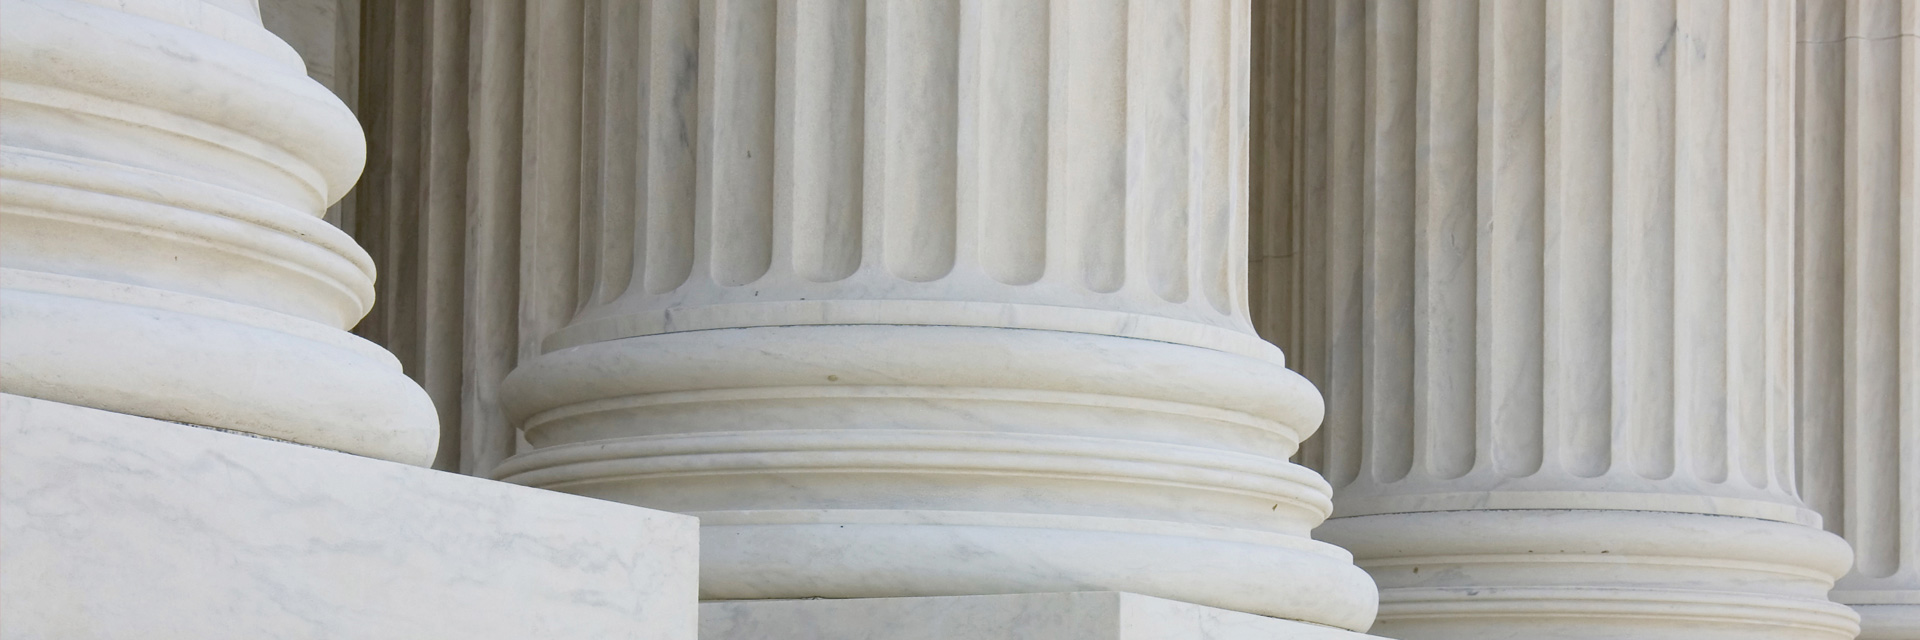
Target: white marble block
point(118, 526)
point(1083, 615)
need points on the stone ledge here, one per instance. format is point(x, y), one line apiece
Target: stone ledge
point(1085, 615)
point(117, 526)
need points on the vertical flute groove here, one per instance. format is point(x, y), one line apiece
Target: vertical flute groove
point(736, 146)
point(550, 199)
point(621, 66)
point(1157, 143)
point(445, 215)
point(823, 76)
point(1510, 330)
point(1347, 305)
point(1700, 236)
point(1211, 199)
point(913, 81)
point(593, 92)
point(1821, 243)
point(491, 334)
point(672, 77)
point(1576, 222)
point(403, 188)
point(1218, 100)
point(1643, 280)
point(1388, 229)
point(1087, 143)
point(1444, 230)
point(1003, 137)
point(1311, 50)
point(1749, 356)
point(1272, 272)
point(375, 110)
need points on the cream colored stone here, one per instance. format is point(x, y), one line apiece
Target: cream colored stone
point(164, 165)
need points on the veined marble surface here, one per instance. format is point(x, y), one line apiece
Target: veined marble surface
point(1085, 615)
point(117, 526)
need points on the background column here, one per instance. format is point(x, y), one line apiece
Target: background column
point(164, 254)
point(914, 298)
point(1859, 300)
point(1540, 257)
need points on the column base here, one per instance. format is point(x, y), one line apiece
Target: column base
point(118, 526)
point(882, 461)
point(1594, 575)
point(1084, 615)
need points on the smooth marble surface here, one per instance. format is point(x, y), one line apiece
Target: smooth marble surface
point(117, 526)
point(1088, 615)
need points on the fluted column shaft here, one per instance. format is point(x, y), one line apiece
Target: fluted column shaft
point(1540, 257)
point(164, 166)
point(1859, 367)
point(915, 298)
point(980, 159)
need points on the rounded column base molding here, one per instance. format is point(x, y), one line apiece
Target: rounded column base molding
point(1594, 574)
point(183, 358)
point(889, 460)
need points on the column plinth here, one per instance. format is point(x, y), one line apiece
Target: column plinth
point(164, 254)
point(928, 298)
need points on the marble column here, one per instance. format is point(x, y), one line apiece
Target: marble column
point(164, 166)
point(1540, 256)
point(914, 298)
point(1859, 332)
